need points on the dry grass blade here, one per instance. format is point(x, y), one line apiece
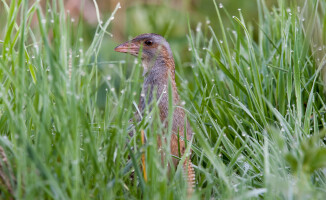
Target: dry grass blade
point(6, 174)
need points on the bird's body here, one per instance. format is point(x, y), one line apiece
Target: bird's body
point(159, 67)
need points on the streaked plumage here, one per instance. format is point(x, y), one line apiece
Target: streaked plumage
point(158, 63)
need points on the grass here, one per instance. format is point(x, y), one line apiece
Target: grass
point(256, 104)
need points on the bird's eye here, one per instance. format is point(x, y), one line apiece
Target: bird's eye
point(148, 42)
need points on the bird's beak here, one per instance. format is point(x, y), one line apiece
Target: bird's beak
point(128, 47)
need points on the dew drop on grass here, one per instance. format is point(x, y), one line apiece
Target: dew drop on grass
point(72, 20)
point(298, 8)
point(198, 28)
point(108, 78)
point(239, 9)
point(112, 89)
point(219, 155)
point(115, 154)
point(208, 22)
point(220, 5)
point(221, 41)
point(52, 21)
point(43, 21)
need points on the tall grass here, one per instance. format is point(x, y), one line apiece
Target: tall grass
point(256, 105)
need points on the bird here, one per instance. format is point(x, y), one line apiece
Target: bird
point(158, 67)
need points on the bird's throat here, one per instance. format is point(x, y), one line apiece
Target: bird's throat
point(156, 80)
point(147, 65)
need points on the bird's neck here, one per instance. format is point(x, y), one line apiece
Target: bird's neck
point(157, 79)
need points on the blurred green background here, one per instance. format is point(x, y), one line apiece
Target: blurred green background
point(166, 17)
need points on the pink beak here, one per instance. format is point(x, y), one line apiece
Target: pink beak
point(127, 47)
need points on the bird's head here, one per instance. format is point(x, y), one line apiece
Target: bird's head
point(151, 46)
